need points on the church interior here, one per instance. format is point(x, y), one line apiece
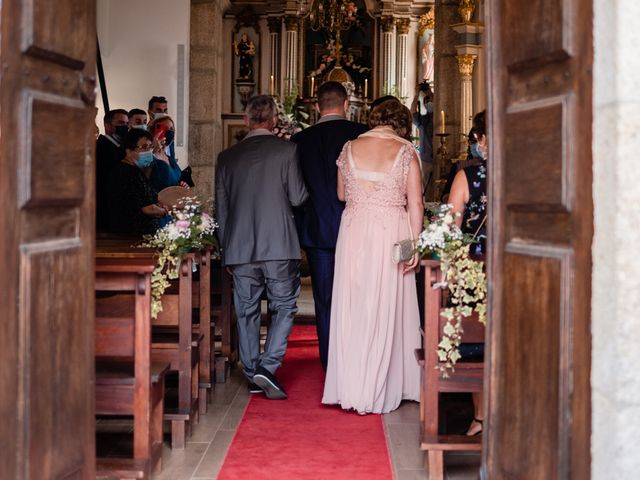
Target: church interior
point(99, 381)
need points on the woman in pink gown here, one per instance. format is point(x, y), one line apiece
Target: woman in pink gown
point(374, 312)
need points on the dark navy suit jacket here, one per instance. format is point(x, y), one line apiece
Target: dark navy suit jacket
point(319, 146)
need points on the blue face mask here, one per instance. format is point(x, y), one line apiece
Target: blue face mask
point(140, 127)
point(144, 160)
point(169, 136)
point(475, 151)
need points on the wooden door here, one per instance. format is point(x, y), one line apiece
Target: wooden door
point(541, 216)
point(47, 58)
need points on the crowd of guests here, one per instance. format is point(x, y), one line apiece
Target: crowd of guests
point(135, 160)
point(345, 193)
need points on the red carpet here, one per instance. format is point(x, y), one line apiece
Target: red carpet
point(299, 438)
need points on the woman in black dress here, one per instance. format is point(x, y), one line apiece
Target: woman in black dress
point(133, 203)
point(469, 197)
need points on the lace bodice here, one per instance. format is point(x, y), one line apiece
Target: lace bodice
point(365, 189)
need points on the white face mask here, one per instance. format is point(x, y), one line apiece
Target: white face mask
point(158, 115)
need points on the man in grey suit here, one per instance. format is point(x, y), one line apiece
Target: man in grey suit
point(258, 181)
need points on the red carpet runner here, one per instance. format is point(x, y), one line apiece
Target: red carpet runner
point(299, 438)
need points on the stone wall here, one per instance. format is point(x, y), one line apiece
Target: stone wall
point(616, 263)
point(205, 92)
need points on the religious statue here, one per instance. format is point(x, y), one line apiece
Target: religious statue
point(245, 50)
point(428, 60)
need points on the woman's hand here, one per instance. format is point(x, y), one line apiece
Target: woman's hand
point(155, 210)
point(158, 145)
point(411, 265)
point(184, 184)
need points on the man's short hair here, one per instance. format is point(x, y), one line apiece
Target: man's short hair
point(331, 95)
point(137, 111)
point(260, 109)
point(108, 117)
point(154, 99)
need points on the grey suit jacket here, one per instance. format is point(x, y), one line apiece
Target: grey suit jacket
point(258, 181)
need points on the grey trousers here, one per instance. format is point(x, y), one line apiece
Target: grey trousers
point(282, 279)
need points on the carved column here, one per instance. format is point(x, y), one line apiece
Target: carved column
point(402, 26)
point(275, 27)
point(465, 67)
point(291, 54)
point(388, 54)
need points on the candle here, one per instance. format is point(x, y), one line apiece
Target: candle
point(366, 87)
point(442, 120)
point(404, 86)
point(272, 89)
point(313, 86)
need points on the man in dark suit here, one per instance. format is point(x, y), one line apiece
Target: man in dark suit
point(319, 218)
point(258, 181)
point(109, 152)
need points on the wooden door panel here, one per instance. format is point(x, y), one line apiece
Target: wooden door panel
point(57, 373)
point(539, 163)
point(541, 228)
point(54, 158)
point(47, 50)
point(58, 31)
point(535, 30)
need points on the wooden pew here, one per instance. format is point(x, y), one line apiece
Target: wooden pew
point(203, 325)
point(172, 339)
point(173, 342)
point(224, 320)
point(126, 381)
point(466, 378)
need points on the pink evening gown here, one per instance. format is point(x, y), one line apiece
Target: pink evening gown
point(375, 324)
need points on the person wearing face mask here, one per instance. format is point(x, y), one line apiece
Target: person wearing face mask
point(137, 118)
point(108, 153)
point(423, 119)
point(469, 198)
point(158, 107)
point(165, 171)
point(474, 157)
point(133, 202)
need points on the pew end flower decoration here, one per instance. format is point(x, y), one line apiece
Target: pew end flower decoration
point(190, 229)
point(463, 276)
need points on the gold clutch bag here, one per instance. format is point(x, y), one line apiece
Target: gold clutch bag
point(403, 251)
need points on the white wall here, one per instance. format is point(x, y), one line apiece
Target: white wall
point(139, 44)
point(615, 374)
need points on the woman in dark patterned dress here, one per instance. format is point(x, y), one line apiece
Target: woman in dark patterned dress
point(469, 197)
point(133, 203)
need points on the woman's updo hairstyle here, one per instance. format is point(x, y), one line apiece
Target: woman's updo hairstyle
point(393, 114)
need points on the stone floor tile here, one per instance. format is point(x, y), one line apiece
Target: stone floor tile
point(408, 412)
point(181, 464)
point(414, 474)
point(214, 456)
point(404, 441)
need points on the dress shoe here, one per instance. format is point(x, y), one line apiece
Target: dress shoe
point(253, 388)
point(268, 382)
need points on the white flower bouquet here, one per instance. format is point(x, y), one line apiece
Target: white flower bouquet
point(463, 276)
point(190, 229)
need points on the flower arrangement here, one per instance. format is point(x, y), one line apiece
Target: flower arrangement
point(190, 229)
point(462, 275)
point(290, 117)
